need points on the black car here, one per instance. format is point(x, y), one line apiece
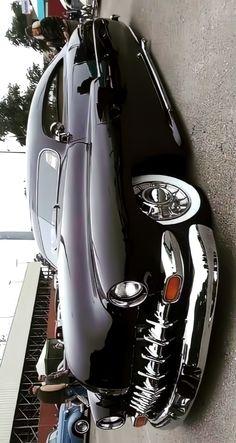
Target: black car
point(111, 208)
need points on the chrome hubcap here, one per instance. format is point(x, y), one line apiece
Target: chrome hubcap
point(161, 201)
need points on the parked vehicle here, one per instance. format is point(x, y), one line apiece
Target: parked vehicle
point(87, 9)
point(73, 4)
point(51, 358)
point(58, 324)
point(73, 426)
point(112, 209)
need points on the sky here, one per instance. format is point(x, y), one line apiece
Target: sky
point(14, 255)
point(16, 58)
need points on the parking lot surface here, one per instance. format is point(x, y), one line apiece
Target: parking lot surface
point(193, 45)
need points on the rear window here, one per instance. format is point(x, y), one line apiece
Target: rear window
point(48, 177)
point(48, 173)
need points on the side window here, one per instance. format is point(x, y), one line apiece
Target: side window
point(48, 178)
point(53, 100)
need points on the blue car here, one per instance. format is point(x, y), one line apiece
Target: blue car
point(73, 425)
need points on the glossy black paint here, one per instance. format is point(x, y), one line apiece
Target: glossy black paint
point(118, 128)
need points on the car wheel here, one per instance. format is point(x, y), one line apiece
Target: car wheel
point(166, 200)
point(80, 427)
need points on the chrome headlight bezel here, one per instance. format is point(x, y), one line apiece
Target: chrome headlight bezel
point(111, 422)
point(127, 294)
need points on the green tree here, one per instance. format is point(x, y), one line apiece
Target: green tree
point(14, 107)
point(16, 34)
point(34, 74)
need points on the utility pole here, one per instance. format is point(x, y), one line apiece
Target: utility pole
point(12, 152)
point(16, 235)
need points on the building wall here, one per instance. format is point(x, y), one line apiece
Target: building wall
point(48, 419)
point(48, 413)
point(54, 7)
point(14, 355)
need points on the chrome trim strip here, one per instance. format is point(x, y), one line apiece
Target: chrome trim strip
point(95, 48)
point(155, 75)
point(196, 336)
point(162, 92)
point(198, 326)
point(161, 315)
point(154, 334)
point(133, 34)
point(150, 375)
point(153, 339)
point(155, 359)
point(203, 294)
point(164, 325)
point(171, 257)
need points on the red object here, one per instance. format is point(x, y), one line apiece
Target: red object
point(172, 288)
point(140, 420)
point(54, 8)
point(48, 413)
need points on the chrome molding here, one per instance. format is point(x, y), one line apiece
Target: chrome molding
point(106, 417)
point(95, 47)
point(161, 90)
point(155, 75)
point(151, 381)
point(120, 294)
point(171, 256)
point(154, 335)
point(198, 327)
point(198, 324)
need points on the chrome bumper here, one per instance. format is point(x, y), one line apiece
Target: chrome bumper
point(198, 324)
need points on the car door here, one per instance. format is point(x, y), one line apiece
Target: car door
point(80, 72)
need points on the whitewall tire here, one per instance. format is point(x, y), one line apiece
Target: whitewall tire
point(166, 200)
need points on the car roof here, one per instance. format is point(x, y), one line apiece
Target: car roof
point(36, 141)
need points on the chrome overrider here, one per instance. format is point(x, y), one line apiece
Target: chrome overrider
point(197, 330)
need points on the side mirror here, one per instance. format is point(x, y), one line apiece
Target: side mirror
point(57, 129)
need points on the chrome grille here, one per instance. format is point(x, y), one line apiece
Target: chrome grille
point(151, 380)
point(157, 336)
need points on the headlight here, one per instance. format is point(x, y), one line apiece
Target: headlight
point(113, 422)
point(127, 294)
point(81, 426)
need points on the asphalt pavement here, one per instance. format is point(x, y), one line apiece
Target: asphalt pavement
point(193, 44)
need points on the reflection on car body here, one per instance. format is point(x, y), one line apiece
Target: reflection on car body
point(131, 238)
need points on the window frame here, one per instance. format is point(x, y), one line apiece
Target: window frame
point(45, 150)
point(60, 118)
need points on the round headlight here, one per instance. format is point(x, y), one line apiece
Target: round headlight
point(113, 422)
point(127, 294)
point(81, 426)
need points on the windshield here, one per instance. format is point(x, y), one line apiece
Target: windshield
point(53, 100)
